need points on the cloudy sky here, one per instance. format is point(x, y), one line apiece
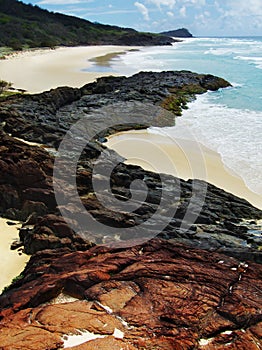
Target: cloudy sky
point(201, 17)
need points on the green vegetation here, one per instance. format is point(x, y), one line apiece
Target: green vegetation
point(7, 90)
point(29, 26)
point(14, 280)
point(179, 97)
point(4, 86)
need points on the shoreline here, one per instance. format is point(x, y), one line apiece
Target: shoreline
point(13, 263)
point(44, 69)
point(186, 159)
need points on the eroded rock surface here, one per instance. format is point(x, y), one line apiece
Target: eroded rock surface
point(25, 177)
point(156, 295)
point(46, 117)
point(28, 195)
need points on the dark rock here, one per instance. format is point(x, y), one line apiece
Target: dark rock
point(11, 223)
point(34, 117)
point(33, 208)
point(25, 179)
point(178, 33)
point(16, 245)
point(9, 197)
point(50, 232)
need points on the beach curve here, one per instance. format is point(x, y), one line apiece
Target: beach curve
point(186, 159)
point(40, 70)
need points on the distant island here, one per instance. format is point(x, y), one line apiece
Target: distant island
point(27, 26)
point(178, 33)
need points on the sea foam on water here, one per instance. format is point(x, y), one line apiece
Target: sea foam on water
point(228, 121)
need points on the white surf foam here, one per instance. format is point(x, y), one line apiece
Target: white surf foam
point(225, 131)
point(257, 61)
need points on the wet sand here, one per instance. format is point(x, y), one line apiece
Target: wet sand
point(182, 158)
point(40, 70)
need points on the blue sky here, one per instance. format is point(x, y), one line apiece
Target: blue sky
point(201, 17)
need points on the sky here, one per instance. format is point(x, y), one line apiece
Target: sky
point(200, 17)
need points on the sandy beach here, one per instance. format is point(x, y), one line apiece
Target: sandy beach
point(182, 158)
point(40, 70)
point(12, 263)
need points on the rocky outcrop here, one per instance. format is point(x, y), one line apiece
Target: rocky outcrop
point(134, 38)
point(221, 221)
point(25, 179)
point(178, 33)
point(46, 117)
point(50, 232)
point(176, 291)
point(156, 295)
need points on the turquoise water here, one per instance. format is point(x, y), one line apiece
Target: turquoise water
point(239, 60)
point(228, 121)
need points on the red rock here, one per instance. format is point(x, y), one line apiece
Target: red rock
point(160, 295)
point(107, 343)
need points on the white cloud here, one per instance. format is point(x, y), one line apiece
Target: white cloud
point(240, 16)
point(244, 7)
point(159, 3)
point(218, 7)
point(182, 11)
point(198, 2)
point(170, 14)
point(142, 9)
point(202, 20)
point(194, 3)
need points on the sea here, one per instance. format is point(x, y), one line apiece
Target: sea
point(228, 121)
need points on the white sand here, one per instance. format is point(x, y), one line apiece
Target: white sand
point(40, 70)
point(81, 338)
point(86, 336)
point(185, 159)
point(12, 264)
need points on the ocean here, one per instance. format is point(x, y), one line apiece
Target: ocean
point(228, 121)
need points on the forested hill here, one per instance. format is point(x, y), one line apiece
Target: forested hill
point(24, 25)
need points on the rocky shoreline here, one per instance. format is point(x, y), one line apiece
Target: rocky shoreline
point(212, 261)
point(159, 295)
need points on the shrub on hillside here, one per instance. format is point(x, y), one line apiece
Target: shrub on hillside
point(4, 85)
